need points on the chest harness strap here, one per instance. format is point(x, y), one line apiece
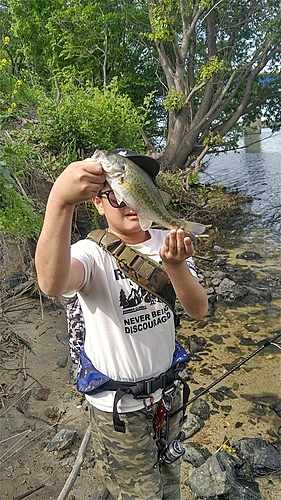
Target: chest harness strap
point(141, 269)
point(152, 277)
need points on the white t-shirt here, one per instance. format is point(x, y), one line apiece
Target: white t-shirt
point(130, 333)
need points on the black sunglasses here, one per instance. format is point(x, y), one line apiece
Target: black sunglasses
point(112, 199)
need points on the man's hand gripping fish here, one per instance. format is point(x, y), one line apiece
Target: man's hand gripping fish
point(136, 189)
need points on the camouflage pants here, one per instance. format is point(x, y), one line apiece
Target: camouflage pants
point(126, 460)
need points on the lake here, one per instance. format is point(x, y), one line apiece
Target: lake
point(234, 330)
point(254, 170)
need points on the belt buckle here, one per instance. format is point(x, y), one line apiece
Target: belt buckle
point(168, 396)
point(148, 387)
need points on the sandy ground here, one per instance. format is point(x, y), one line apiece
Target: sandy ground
point(30, 417)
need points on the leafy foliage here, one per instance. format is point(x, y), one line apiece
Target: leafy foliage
point(88, 118)
point(181, 78)
point(17, 210)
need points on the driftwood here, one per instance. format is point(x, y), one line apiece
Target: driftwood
point(76, 467)
point(24, 495)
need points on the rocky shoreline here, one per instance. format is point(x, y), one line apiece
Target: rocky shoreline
point(232, 444)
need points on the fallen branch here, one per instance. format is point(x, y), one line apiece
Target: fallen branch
point(76, 467)
point(12, 437)
point(6, 414)
point(49, 427)
point(41, 304)
point(17, 400)
point(24, 495)
point(24, 363)
point(3, 458)
point(19, 338)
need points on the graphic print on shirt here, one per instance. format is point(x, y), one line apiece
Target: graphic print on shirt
point(136, 296)
point(135, 303)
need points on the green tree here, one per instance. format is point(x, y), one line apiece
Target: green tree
point(29, 27)
point(85, 40)
point(205, 61)
point(215, 56)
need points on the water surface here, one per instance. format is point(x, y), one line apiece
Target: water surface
point(254, 170)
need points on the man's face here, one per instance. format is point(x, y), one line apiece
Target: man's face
point(121, 220)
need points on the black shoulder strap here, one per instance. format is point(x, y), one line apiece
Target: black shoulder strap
point(136, 266)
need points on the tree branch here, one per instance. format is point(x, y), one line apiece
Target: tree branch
point(76, 467)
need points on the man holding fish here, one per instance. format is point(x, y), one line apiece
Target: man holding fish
point(130, 333)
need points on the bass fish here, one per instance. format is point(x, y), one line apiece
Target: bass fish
point(136, 189)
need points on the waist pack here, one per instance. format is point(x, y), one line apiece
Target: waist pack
point(91, 381)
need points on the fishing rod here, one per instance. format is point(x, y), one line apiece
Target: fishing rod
point(236, 367)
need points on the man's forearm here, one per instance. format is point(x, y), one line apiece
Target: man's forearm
point(190, 293)
point(52, 258)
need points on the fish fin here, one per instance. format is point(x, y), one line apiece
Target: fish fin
point(95, 155)
point(166, 197)
point(101, 156)
point(193, 227)
point(118, 196)
point(144, 223)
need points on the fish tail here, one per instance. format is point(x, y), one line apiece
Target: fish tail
point(193, 227)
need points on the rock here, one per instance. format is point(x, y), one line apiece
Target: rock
point(261, 457)
point(249, 255)
point(218, 396)
point(62, 440)
point(233, 349)
point(230, 291)
point(223, 392)
point(9, 470)
point(192, 425)
point(217, 249)
point(277, 444)
point(247, 341)
point(212, 478)
point(62, 338)
point(276, 407)
point(219, 262)
point(264, 397)
point(218, 478)
point(15, 280)
point(195, 344)
point(42, 394)
point(226, 408)
point(217, 339)
point(62, 362)
point(24, 426)
point(67, 397)
point(195, 454)
point(201, 409)
point(258, 409)
point(252, 328)
point(227, 392)
point(52, 412)
point(216, 282)
point(195, 357)
point(217, 275)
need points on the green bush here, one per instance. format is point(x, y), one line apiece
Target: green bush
point(18, 95)
point(17, 216)
point(17, 210)
point(86, 119)
point(172, 184)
